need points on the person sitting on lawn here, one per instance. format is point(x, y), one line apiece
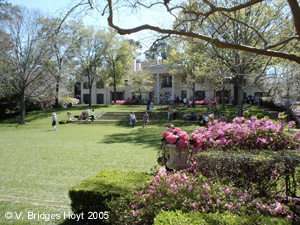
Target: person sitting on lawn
point(146, 119)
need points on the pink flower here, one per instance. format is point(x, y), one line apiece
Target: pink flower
point(211, 116)
point(228, 206)
point(134, 206)
point(290, 217)
point(171, 139)
point(195, 205)
point(227, 191)
point(135, 213)
point(205, 196)
point(182, 144)
point(166, 133)
point(206, 186)
point(292, 124)
point(173, 187)
point(176, 131)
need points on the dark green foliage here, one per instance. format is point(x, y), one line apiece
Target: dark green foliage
point(197, 218)
point(94, 194)
point(262, 169)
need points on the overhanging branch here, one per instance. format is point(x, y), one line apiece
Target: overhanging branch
point(213, 41)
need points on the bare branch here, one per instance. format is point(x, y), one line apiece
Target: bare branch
point(71, 11)
point(213, 41)
point(246, 25)
point(215, 9)
point(284, 42)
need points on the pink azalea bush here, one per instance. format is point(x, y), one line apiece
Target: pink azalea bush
point(176, 136)
point(190, 191)
point(193, 192)
point(245, 134)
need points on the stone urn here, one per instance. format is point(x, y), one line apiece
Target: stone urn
point(177, 158)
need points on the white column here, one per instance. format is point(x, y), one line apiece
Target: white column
point(157, 88)
point(187, 94)
point(173, 86)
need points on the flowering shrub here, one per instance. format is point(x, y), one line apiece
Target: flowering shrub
point(193, 192)
point(124, 102)
point(245, 135)
point(204, 102)
point(246, 191)
point(176, 136)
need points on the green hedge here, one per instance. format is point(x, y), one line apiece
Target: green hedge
point(263, 169)
point(93, 194)
point(197, 218)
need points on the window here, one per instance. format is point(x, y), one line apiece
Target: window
point(200, 95)
point(120, 95)
point(259, 94)
point(86, 98)
point(100, 98)
point(86, 85)
point(183, 79)
point(167, 81)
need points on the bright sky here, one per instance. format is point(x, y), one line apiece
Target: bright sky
point(129, 18)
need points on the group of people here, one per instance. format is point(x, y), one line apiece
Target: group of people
point(172, 113)
point(85, 115)
point(133, 120)
point(150, 105)
point(253, 100)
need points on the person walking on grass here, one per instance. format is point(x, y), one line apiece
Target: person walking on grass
point(54, 119)
point(93, 115)
point(87, 115)
point(146, 119)
point(133, 119)
point(151, 106)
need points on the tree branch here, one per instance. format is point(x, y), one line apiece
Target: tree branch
point(213, 41)
point(294, 5)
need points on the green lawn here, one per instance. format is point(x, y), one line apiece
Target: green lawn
point(38, 165)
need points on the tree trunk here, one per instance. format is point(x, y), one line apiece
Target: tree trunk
point(240, 94)
point(115, 84)
point(194, 90)
point(22, 108)
point(56, 93)
point(223, 98)
point(90, 97)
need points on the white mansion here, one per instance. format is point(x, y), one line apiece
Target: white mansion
point(166, 86)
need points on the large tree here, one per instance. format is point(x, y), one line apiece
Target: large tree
point(63, 45)
point(91, 52)
point(189, 56)
point(142, 80)
point(285, 45)
point(118, 60)
point(26, 55)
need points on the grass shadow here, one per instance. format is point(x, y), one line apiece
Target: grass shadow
point(139, 136)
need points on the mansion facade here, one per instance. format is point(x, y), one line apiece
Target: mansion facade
point(166, 87)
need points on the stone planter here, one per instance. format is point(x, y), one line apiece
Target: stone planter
point(69, 116)
point(177, 158)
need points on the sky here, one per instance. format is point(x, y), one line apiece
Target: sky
point(128, 18)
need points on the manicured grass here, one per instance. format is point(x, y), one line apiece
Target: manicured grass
point(38, 165)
